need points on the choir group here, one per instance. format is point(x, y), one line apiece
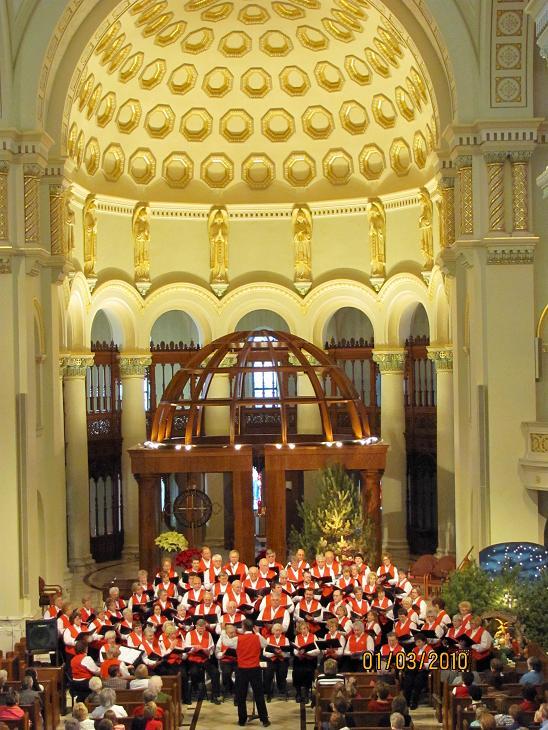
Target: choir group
point(307, 613)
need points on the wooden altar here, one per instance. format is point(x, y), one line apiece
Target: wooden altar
point(210, 437)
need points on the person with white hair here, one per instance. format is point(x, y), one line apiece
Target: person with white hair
point(397, 721)
point(107, 701)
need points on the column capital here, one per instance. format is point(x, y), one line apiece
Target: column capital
point(495, 158)
point(4, 167)
point(447, 182)
point(520, 156)
point(463, 161)
point(75, 366)
point(32, 169)
point(134, 365)
point(442, 357)
point(390, 361)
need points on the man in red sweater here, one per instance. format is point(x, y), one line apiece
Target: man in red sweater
point(248, 672)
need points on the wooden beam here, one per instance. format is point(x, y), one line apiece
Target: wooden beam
point(275, 511)
point(244, 532)
point(371, 505)
point(149, 522)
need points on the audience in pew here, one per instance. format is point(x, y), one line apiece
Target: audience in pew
point(107, 701)
point(11, 710)
point(534, 676)
point(80, 713)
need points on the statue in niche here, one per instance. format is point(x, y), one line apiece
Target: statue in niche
point(377, 238)
point(425, 227)
point(90, 236)
point(141, 241)
point(69, 219)
point(218, 249)
point(302, 238)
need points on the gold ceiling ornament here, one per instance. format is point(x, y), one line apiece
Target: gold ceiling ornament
point(140, 228)
point(178, 169)
point(113, 162)
point(302, 242)
point(167, 65)
point(217, 228)
point(89, 215)
point(426, 217)
point(377, 242)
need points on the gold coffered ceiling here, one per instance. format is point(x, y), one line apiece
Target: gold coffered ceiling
point(259, 102)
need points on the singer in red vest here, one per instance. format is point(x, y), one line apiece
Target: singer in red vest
point(248, 653)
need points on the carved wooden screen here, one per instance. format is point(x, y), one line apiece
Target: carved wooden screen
point(104, 410)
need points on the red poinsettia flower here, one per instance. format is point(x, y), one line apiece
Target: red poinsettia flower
point(185, 557)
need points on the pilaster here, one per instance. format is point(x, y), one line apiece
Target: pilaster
point(447, 213)
point(495, 162)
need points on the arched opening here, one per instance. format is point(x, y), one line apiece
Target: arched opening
point(104, 412)
point(420, 433)
point(175, 328)
point(264, 319)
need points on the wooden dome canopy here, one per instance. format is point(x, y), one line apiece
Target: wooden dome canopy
point(242, 354)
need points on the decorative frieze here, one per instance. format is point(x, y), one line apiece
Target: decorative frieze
point(502, 253)
point(442, 357)
point(31, 199)
point(390, 361)
point(520, 190)
point(466, 207)
point(75, 366)
point(495, 179)
point(133, 366)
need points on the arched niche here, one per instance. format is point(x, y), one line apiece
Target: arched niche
point(262, 319)
point(348, 323)
point(101, 328)
point(174, 326)
point(419, 326)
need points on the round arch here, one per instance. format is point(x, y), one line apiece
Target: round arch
point(122, 304)
point(176, 326)
point(348, 323)
point(199, 304)
point(327, 298)
point(261, 296)
point(399, 297)
point(440, 322)
point(77, 339)
point(262, 319)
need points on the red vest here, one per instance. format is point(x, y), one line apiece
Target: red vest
point(357, 644)
point(202, 642)
point(248, 651)
point(77, 668)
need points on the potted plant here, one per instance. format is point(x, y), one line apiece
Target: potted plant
point(171, 542)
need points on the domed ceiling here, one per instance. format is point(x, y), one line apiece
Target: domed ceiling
point(265, 102)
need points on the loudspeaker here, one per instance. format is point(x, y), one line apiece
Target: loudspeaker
point(41, 636)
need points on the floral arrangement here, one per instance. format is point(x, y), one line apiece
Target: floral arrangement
point(185, 557)
point(171, 542)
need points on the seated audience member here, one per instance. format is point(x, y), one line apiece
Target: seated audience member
point(110, 715)
point(80, 713)
point(107, 701)
point(399, 705)
point(330, 676)
point(534, 675)
point(104, 725)
point(141, 678)
point(36, 686)
point(95, 685)
point(336, 721)
point(150, 697)
point(155, 683)
point(70, 724)
point(486, 721)
point(476, 698)
point(381, 701)
point(27, 695)
point(115, 679)
point(458, 678)
point(541, 716)
point(463, 690)
point(529, 702)
point(11, 710)
point(509, 720)
point(4, 689)
point(397, 721)
point(150, 717)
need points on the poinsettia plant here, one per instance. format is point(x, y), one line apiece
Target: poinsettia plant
point(171, 542)
point(185, 557)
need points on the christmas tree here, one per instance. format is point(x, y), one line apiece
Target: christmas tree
point(335, 520)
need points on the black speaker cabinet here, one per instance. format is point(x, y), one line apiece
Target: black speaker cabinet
point(41, 636)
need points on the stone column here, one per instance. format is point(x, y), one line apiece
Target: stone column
point(520, 190)
point(132, 374)
point(394, 483)
point(76, 453)
point(445, 448)
point(463, 164)
point(495, 182)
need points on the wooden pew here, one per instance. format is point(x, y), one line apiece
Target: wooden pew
point(56, 676)
point(130, 707)
point(34, 714)
point(46, 705)
point(464, 718)
point(364, 719)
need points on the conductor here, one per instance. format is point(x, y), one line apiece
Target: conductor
point(248, 672)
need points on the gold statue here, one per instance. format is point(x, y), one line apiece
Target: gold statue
point(218, 249)
point(425, 226)
point(141, 242)
point(377, 238)
point(90, 236)
point(69, 219)
point(302, 238)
